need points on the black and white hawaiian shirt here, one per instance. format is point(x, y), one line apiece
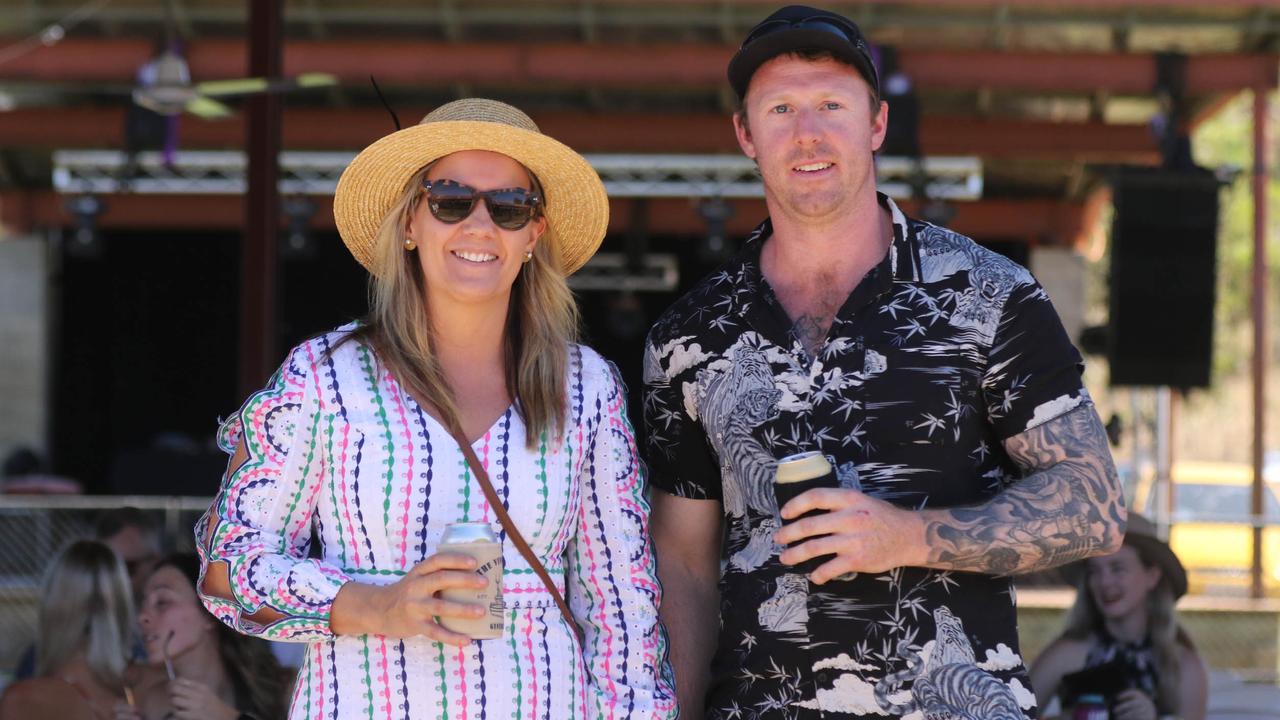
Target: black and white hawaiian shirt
point(941, 352)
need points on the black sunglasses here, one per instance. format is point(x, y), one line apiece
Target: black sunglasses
point(817, 22)
point(452, 202)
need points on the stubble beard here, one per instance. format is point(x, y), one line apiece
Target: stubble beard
point(823, 201)
point(819, 202)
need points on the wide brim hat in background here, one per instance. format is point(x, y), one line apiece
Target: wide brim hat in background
point(800, 27)
point(1141, 534)
point(574, 200)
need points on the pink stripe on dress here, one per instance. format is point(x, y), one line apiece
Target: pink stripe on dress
point(346, 506)
point(407, 434)
point(461, 674)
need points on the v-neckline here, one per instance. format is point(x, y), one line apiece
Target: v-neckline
point(425, 408)
point(509, 409)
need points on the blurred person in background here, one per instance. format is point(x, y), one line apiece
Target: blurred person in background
point(82, 651)
point(26, 472)
point(218, 674)
point(135, 538)
point(1124, 622)
point(469, 223)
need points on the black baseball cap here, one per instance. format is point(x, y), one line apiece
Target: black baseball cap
point(799, 27)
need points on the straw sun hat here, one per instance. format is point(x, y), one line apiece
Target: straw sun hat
point(575, 204)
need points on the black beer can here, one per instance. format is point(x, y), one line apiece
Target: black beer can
point(796, 474)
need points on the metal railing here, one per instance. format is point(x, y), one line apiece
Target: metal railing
point(1234, 634)
point(624, 175)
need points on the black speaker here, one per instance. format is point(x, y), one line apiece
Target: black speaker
point(1163, 258)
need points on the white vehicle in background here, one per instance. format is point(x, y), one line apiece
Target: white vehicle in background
point(1212, 527)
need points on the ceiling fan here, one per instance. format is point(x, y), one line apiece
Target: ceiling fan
point(164, 87)
point(163, 92)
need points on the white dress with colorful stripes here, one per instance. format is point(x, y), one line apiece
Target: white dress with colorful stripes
point(341, 456)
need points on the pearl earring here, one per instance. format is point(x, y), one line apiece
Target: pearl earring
point(528, 255)
point(410, 245)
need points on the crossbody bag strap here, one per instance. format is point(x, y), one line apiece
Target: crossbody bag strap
point(513, 534)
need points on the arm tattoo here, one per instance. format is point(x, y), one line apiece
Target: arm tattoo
point(1068, 505)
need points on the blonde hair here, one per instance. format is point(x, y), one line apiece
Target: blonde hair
point(86, 606)
point(1166, 634)
point(542, 321)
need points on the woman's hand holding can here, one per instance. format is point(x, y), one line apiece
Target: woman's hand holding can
point(411, 605)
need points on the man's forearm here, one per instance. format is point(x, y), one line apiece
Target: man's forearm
point(1067, 508)
point(691, 613)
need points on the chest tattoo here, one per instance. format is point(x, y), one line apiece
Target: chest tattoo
point(811, 331)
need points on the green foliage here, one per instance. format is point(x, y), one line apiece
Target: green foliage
point(1227, 141)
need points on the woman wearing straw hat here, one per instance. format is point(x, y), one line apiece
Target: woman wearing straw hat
point(1124, 628)
point(461, 397)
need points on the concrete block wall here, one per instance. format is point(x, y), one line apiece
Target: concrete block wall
point(24, 344)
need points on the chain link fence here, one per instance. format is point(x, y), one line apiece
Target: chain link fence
point(1234, 634)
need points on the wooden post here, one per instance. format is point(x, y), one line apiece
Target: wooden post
point(1261, 153)
point(259, 252)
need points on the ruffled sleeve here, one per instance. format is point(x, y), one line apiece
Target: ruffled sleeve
point(260, 521)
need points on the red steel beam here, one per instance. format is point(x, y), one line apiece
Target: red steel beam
point(1001, 138)
point(1042, 222)
point(1039, 221)
point(1064, 5)
point(1258, 305)
point(1068, 5)
point(1080, 72)
point(1212, 107)
point(591, 132)
point(660, 66)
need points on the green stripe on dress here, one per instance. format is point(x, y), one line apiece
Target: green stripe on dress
point(367, 364)
point(306, 470)
point(515, 659)
point(368, 678)
point(304, 676)
point(568, 520)
point(333, 495)
point(465, 492)
point(444, 684)
point(573, 680)
point(543, 490)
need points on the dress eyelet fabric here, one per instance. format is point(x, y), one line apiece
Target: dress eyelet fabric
point(349, 479)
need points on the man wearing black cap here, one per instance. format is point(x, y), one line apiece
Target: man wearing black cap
point(934, 376)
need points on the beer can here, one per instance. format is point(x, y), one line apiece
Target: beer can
point(479, 541)
point(1090, 707)
point(796, 474)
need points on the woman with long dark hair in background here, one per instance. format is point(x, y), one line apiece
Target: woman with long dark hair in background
point(217, 673)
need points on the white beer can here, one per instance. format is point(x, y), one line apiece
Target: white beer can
point(479, 541)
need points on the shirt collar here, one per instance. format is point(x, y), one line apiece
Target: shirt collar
point(902, 262)
point(904, 251)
